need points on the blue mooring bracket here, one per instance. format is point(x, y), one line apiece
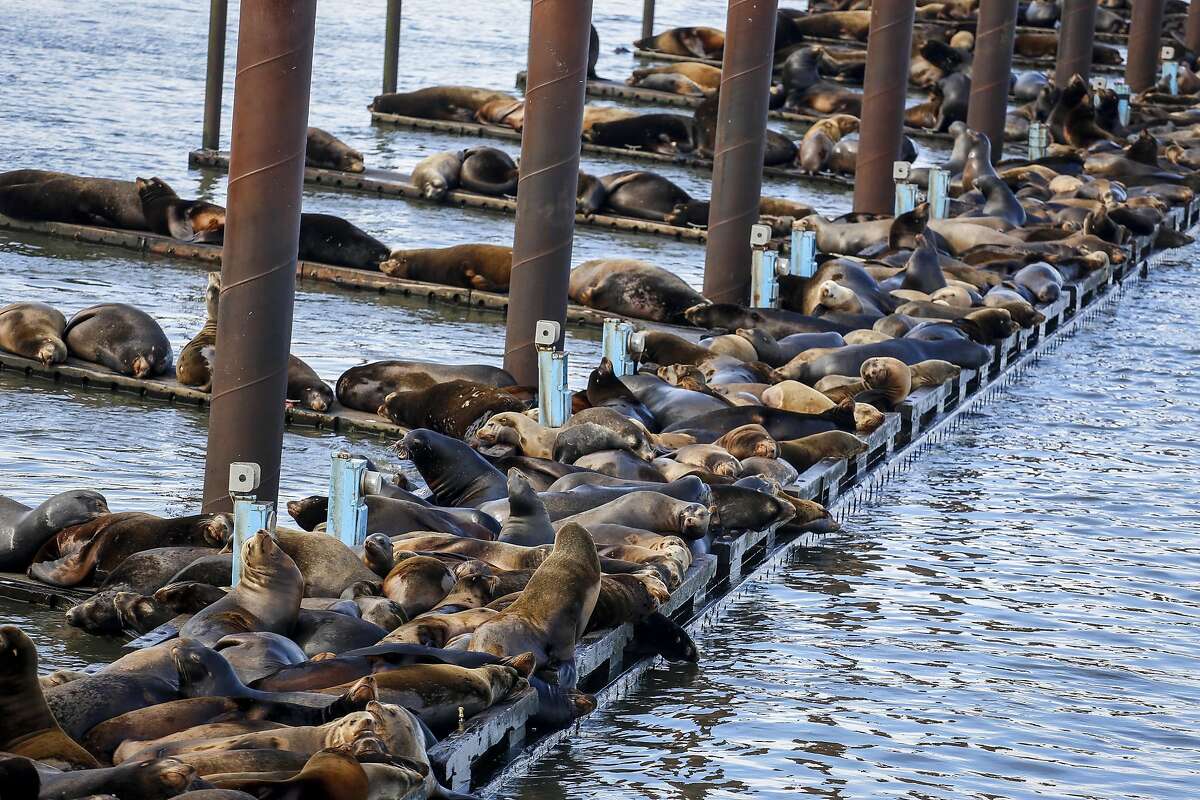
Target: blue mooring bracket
point(803, 261)
point(347, 515)
point(1122, 91)
point(1170, 70)
point(906, 191)
point(249, 514)
point(938, 193)
point(764, 288)
point(1039, 140)
point(554, 398)
point(617, 345)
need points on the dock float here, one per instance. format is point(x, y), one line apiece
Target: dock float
point(502, 741)
point(209, 256)
point(680, 160)
point(388, 183)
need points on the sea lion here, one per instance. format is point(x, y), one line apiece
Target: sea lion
point(257, 654)
point(655, 133)
point(932, 373)
point(327, 239)
point(553, 609)
point(266, 598)
point(324, 150)
point(149, 778)
point(706, 76)
point(795, 396)
point(108, 613)
point(700, 42)
point(33, 330)
point(436, 629)
point(489, 171)
point(364, 387)
point(377, 554)
point(749, 441)
point(456, 475)
point(510, 428)
point(851, 25)
point(484, 267)
point(332, 772)
point(589, 194)
point(195, 364)
point(417, 584)
point(437, 175)
point(632, 288)
point(622, 599)
point(27, 726)
point(455, 408)
point(1042, 281)
point(848, 360)
point(24, 530)
point(888, 376)
point(505, 111)
point(327, 566)
point(304, 386)
point(778, 423)
point(740, 508)
point(648, 510)
point(45, 196)
point(319, 632)
point(669, 82)
point(778, 150)
point(120, 337)
point(454, 103)
point(528, 523)
point(805, 452)
point(101, 544)
point(710, 458)
point(647, 195)
point(999, 201)
point(188, 597)
point(186, 220)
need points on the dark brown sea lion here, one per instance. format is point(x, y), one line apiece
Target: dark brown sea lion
point(456, 475)
point(195, 364)
point(484, 267)
point(849, 359)
point(655, 133)
point(33, 330)
point(186, 220)
point(364, 387)
point(327, 239)
point(454, 408)
point(632, 288)
point(706, 76)
point(330, 773)
point(648, 510)
point(118, 336)
point(58, 197)
point(749, 441)
point(150, 778)
point(27, 726)
point(418, 583)
point(258, 654)
point(850, 25)
point(331, 632)
point(647, 195)
point(104, 542)
point(24, 530)
point(267, 597)
point(700, 42)
point(621, 599)
point(740, 508)
point(489, 171)
point(304, 386)
point(553, 609)
point(809, 450)
point(323, 149)
point(326, 565)
point(456, 103)
point(437, 175)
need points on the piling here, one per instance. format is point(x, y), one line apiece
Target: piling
point(992, 71)
point(215, 77)
point(1076, 34)
point(1145, 39)
point(391, 46)
point(262, 230)
point(738, 151)
point(647, 18)
point(1191, 32)
point(885, 86)
point(559, 35)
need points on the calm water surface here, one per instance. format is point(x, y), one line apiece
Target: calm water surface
point(1015, 617)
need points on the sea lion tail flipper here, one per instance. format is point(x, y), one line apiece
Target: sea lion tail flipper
point(568, 673)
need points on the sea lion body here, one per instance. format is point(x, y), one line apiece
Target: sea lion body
point(655, 133)
point(454, 408)
point(418, 584)
point(120, 337)
point(327, 239)
point(489, 171)
point(24, 530)
point(700, 42)
point(167, 214)
point(456, 474)
point(646, 195)
point(484, 267)
point(364, 387)
point(649, 511)
point(809, 450)
point(454, 103)
point(304, 386)
point(437, 175)
point(33, 330)
point(848, 360)
point(44, 196)
point(323, 149)
point(632, 288)
point(195, 364)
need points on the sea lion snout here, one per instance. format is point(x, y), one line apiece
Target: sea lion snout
point(52, 352)
point(141, 366)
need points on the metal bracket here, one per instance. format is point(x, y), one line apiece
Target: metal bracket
point(764, 289)
point(249, 514)
point(347, 516)
point(1122, 91)
point(1039, 140)
point(1170, 69)
point(803, 261)
point(554, 398)
point(939, 193)
point(618, 345)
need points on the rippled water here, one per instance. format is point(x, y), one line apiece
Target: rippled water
point(1015, 616)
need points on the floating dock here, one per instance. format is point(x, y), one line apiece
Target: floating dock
point(387, 183)
point(680, 160)
point(503, 740)
point(209, 255)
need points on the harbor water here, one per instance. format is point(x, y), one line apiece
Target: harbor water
point(1014, 615)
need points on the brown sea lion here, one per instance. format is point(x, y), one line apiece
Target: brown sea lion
point(700, 42)
point(553, 609)
point(749, 441)
point(186, 220)
point(437, 175)
point(45, 196)
point(364, 387)
point(436, 629)
point(455, 103)
point(266, 598)
point(333, 772)
point(804, 453)
point(417, 584)
point(649, 511)
point(323, 149)
point(706, 76)
point(484, 267)
point(632, 288)
point(326, 564)
point(454, 408)
point(27, 728)
point(33, 330)
point(502, 111)
point(195, 364)
point(125, 339)
point(888, 376)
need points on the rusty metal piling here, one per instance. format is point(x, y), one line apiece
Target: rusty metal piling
point(992, 71)
point(1076, 34)
point(214, 79)
point(262, 230)
point(885, 86)
point(1145, 39)
point(391, 46)
point(738, 152)
point(559, 35)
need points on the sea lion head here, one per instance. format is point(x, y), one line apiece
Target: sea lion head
point(18, 656)
point(694, 520)
point(52, 350)
point(72, 508)
point(502, 429)
point(889, 375)
point(503, 679)
point(153, 188)
point(157, 774)
point(836, 297)
point(349, 728)
point(132, 610)
point(218, 529)
point(377, 554)
point(97, 615)
point(671, 641)
point(716, 316)
point(867, 417)
point(435, 187)
point(350, 160)
point(317, 398)
point(262, 558)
